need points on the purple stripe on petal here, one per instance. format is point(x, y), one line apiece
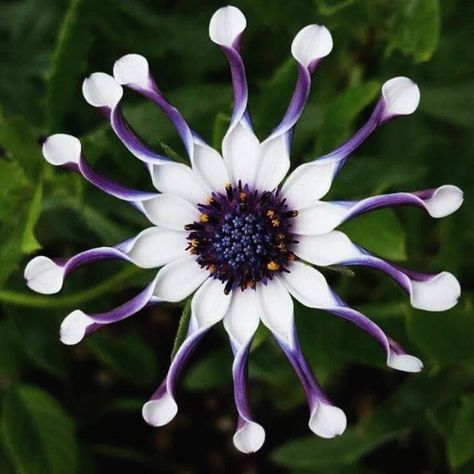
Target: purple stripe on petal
point(342, 153)
point(132, 141)
point(107, 185)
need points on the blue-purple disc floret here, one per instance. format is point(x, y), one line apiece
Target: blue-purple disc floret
point(243, 236)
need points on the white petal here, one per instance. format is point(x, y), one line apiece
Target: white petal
point(74, 326)
point(309, 182)
point(158, 246)
point(240, 149)
point(327, 421)
point(102, 90)
point(241, 321)
point(210, 166)
point(179, 279)
point(210, 303)
point(311, 43)
point(170, 211)
point(325, 249)
point(319, 218)
point(439, 294)
point(249, 438)
point(273, 163)
point(44, 276)
point(132, 69)
point(401, 96)
point(226, 25)
point(446, 200)
point(308, 286)
point(276, 308)
point(61, 148)
point(180, 180)
point(404, 362)
point(160, 412)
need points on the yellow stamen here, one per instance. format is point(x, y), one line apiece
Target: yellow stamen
point(203, 218)
point(270, 214)
point(210, 199)
point(212, 268)
point(242, 196)
point(273, 266)
point(275, 222)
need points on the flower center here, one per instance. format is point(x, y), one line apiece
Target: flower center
point(243, 236)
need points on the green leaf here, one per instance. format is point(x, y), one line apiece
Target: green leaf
point(210, 372)
point(416, 28)
point(182, 328)
point(329, 7)
point(29, 243)
point(461, 439)
point(342, 112)
point(447, 338)
point(451, 103)
point(68, 61)
point(127, 356)
point(403, 410)
point(38, 435)
point(380, 232)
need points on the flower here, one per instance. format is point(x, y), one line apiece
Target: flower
point(232, 231)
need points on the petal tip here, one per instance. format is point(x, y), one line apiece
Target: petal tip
point(311, 43)
point(327, 421)
point(226, 26)
point(161, 411)
point(440, 293)
point(401, 96)
point(132, 69)
point(446, 200)
point(102, 90)
point(60, 149)
point(249, 438)
point(74, 327)
point(405, 362)
point(44, 276)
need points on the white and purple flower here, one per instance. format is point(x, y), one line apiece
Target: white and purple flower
point(230, 228)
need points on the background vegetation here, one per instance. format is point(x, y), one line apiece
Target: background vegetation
point(67, 410)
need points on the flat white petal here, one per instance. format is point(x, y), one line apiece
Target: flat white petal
point(240, 149)
point(327, 421)
point(249, 438)
point(160, 412)
point(180, 180)
point(44, 276)
point(404, 362)
point(325, 249)
point(309, 182)
point(401, 96)
point(158, 246)
point(210, 303)
point(170, 211)
point(132, 69)
point(438, 294)
point(273, 163)
point(446, 200)
point(241, 320)
point(61, 148)
point(74, 326)
point(210, 166)
point(276, 308)
point(178, 279)
point(319, 218)
point(102, 90)
point(311, 43)
point(308, 286)
point(226, 25)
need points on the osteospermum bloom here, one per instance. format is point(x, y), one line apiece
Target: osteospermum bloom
point(231, 230)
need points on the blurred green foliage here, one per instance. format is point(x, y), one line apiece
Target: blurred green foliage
point(68, 410)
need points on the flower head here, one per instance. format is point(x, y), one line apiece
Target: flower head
point(234, 233)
